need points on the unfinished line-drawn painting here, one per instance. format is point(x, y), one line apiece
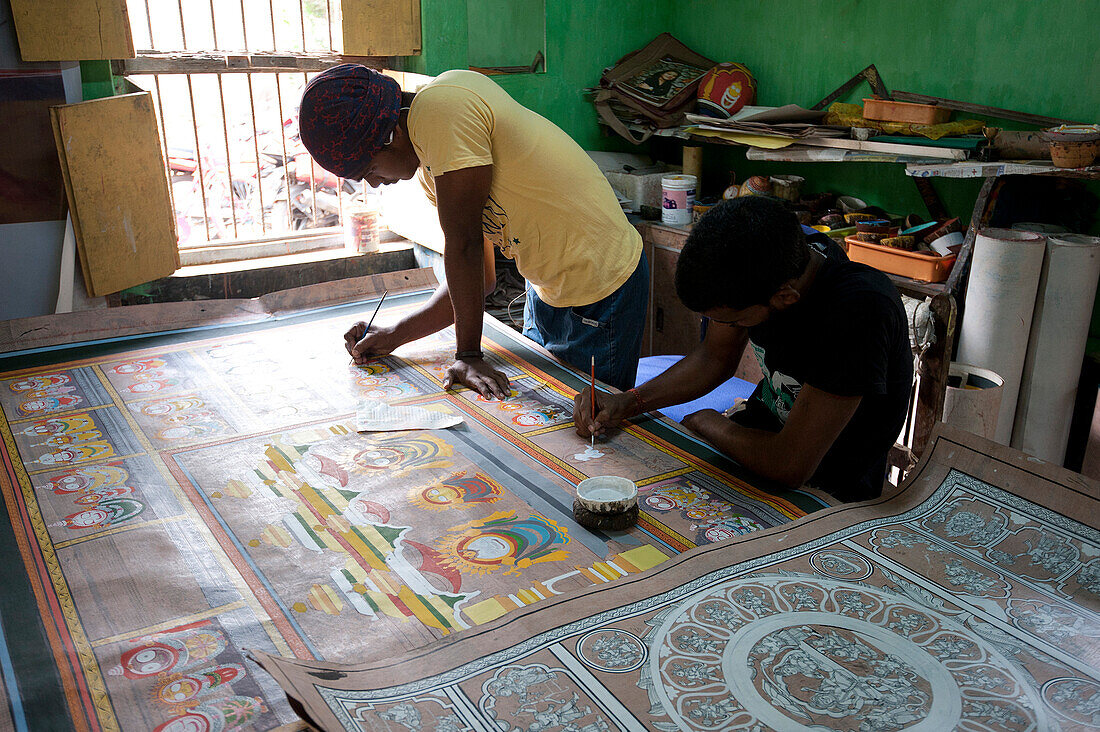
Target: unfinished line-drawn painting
point(175, 500)
point(970, 601)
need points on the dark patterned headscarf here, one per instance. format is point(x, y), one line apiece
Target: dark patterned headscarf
point(347, 115)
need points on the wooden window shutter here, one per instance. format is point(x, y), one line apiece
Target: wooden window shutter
point(381, 27)
point(72, 30)
point(117, 186)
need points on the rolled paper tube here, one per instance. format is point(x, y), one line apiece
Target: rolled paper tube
point(1000, 303)
point(1038, 228)
point(1056, 347)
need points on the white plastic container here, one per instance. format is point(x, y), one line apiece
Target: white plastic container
point(973, 399)
point(361, 226)
point(677, 199)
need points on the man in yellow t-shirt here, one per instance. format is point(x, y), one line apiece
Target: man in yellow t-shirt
point(500, 176)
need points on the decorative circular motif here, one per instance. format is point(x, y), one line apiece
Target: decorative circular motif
point(379, 458)
point(1076, 700)
point(805, 653)
point(841, 564)
point(612, 650)
point(189, 722)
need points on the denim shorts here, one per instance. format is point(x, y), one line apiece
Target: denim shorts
point(611, 329)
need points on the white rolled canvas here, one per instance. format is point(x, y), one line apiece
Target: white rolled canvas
point(1059, 331)
point(1000, 302)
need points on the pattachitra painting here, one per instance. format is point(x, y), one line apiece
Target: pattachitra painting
point(969, 601)
point(172, 501)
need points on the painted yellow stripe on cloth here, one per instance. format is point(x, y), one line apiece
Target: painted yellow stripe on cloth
point(644, 557)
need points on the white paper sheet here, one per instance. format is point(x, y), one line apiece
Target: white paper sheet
point(377, 416)
point(1000, 302)
point(1059, 331)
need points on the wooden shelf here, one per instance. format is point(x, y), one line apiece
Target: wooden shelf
point(976, 169)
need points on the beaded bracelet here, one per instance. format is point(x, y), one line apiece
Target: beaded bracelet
point(637, 399)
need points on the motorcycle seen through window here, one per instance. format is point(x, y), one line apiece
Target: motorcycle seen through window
point(238, 169)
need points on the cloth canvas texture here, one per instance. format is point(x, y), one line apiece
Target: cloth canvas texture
point(968, 600)
point(846, 336)
point(550, 208)
point(172, 501)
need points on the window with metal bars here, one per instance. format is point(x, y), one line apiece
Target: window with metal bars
point(226, 78)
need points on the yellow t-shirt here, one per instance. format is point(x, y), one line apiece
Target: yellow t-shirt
point(550, 208)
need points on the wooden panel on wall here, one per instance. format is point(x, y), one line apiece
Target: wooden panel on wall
point(117, 187)
point(675, 328)
point(381, 27)
point(72, 30)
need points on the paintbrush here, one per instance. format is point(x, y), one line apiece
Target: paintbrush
point(376, 309)
point(592, 440)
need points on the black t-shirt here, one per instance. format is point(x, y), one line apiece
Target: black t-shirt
point(847, 335)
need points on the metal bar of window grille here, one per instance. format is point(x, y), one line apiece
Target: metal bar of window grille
point(228, 157)
point(244, 30)
point(149, 21)
point(214, 26)
point(312, 173)
point(183, 37)
point(340, 197)
point(256, 148)
point(271, 9)
point(164, 141)
point(198, 156)
point(302, 16)
point(328, 18)
point(286, 158)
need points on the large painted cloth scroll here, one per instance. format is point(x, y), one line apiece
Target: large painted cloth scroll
point(970, 600)
point(173, 500)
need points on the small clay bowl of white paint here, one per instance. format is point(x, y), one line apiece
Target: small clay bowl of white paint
point(607, 494)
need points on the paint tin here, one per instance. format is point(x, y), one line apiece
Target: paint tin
point(361, 228)
point(677, 199)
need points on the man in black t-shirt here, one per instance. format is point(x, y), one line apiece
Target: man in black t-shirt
point(831, 338)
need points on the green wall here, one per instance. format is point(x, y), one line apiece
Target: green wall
point(1029, 56)
point(581, 39)
point(1038, 57)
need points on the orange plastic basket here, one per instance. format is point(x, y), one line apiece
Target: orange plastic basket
point(924, 267)
point(886, 110)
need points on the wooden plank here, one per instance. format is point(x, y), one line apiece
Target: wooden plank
point(890, 148)
point(971, 108)
point(72, 30)
point(381, 27)
point(201, 62)
point(117, 187)
point(44, 331)
point(676, 330)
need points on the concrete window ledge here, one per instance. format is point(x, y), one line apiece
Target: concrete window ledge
point(256, 277)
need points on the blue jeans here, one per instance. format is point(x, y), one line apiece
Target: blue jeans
point(611, 329)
